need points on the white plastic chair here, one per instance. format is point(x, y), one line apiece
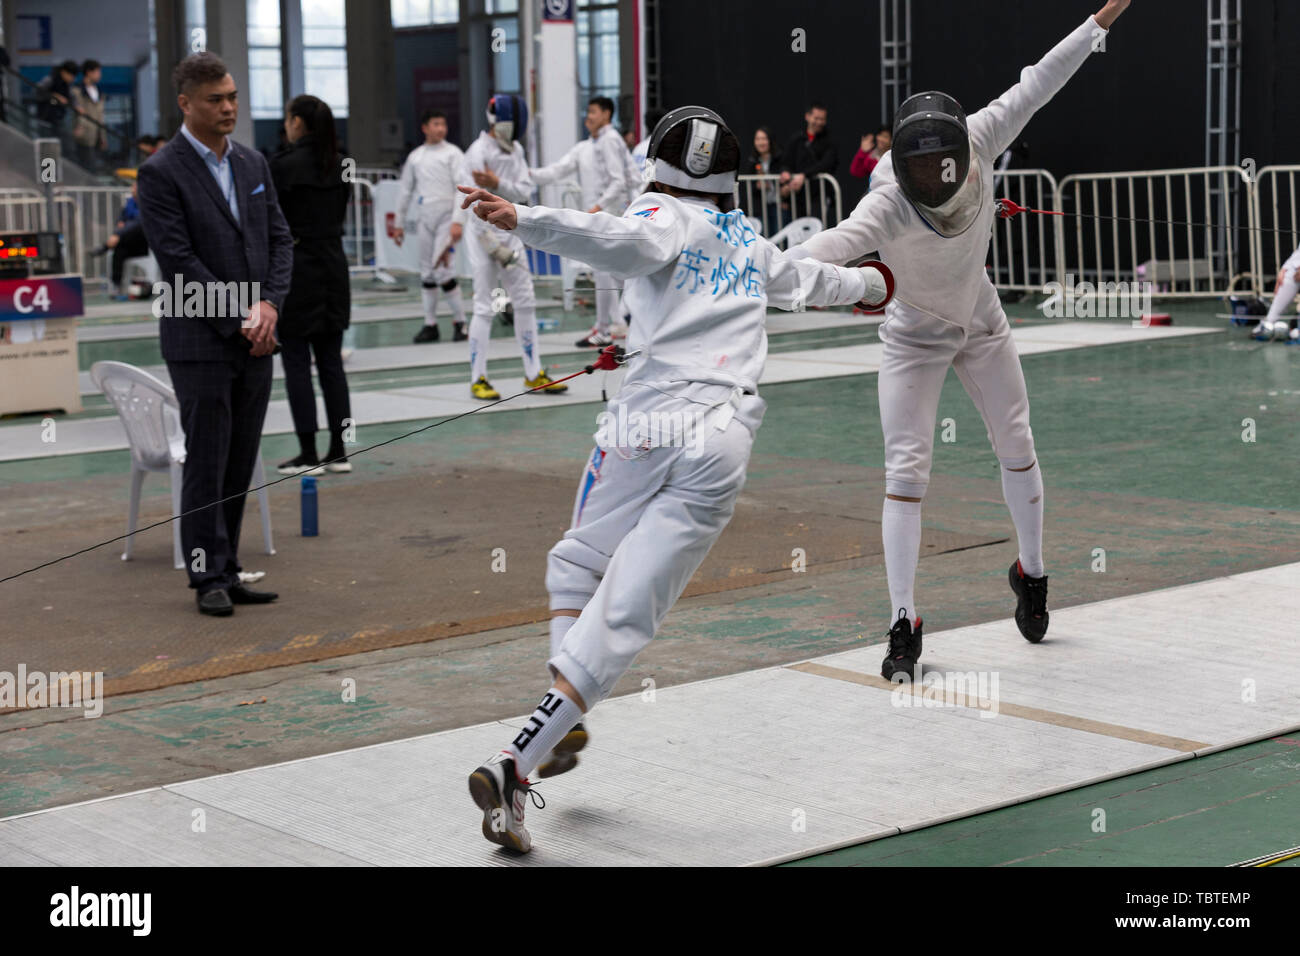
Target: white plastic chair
point(151, 416)
point(800, 230)
point(143, 269)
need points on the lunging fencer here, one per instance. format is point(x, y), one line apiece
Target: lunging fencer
point(656, 493)
point(929, 214)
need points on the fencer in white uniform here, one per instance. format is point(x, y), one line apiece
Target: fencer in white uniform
point(674, 442)
point(1276, 324)
point(929, 213)
point(498, 260)
point(429, 179)
point(608, 180)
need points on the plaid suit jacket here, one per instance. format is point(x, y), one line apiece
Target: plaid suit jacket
point(192, 233)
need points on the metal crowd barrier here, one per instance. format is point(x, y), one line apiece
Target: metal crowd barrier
point(1276, 198)
point(97, 210)
point(1174, 228)
point(759, 195)
point(1024, 251)
point(359, 227)
point(1180, 229)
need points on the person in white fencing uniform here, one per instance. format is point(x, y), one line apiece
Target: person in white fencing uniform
point(608, 180)
point(674, 442)
point(929, 213)
point(498, 260)
point(429, 177)
point(1275, 324)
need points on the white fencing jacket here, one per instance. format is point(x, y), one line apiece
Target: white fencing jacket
point(430, 175)
point(602, 167)
point(699, 282)
point(937, 275)
point(511, 169)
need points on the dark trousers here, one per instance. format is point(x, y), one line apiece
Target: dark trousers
point(130, 244)
point(295, 355)
point(223, 406)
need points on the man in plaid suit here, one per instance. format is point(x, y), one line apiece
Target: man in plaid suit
point(211, 216)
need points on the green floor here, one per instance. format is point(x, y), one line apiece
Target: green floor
point(1208, 811)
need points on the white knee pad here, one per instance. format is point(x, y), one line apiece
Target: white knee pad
point(569, 580)
point(906, 489)
point(1018, 464)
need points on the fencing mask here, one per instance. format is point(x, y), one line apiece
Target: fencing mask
point(507, 118)
point(931, 156)
point(931, 148)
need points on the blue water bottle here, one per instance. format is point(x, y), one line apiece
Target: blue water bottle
point(308, 506)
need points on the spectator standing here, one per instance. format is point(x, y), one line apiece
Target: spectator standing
point(210, 213)
point(53, 94)
point(89, 132)
point(806, 155)
point(314, 197)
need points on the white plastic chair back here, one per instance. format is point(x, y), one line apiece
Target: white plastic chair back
point(149, 412)
point(800, 230)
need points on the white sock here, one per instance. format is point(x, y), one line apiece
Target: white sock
point(480, 334)
point(1023, 491)
point(900, 529)
point(606, 302)
point(560, 625)
point(553, 718)
point(430, 299)
point(457, 306)
point(526, 339)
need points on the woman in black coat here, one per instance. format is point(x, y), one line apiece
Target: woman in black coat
point(308, 177)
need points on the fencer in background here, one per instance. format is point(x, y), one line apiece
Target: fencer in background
point(930, 214)
point(498, 260)
point(608, 180)
point(429, 177)
point(1275, 325)
point(656, 493)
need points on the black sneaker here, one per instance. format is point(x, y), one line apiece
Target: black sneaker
point(497, 790)
point(564, 756)
point(904, 648)
point(301, 465)
point(459, 334)
point(1031, 606)
point(427, 333)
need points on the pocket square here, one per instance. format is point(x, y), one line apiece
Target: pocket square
point(261, 188)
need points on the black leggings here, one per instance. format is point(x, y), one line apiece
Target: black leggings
point(295, 354)
point(130, 244)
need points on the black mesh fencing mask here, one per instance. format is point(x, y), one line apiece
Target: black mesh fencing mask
point(931, 148)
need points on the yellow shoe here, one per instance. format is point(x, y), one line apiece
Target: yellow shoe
point(543, 381)
point(483, 389)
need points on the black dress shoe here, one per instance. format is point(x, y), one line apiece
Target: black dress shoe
point(240, 594)
point(217, 603)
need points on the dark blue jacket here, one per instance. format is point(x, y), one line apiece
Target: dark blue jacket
point(191, 232)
